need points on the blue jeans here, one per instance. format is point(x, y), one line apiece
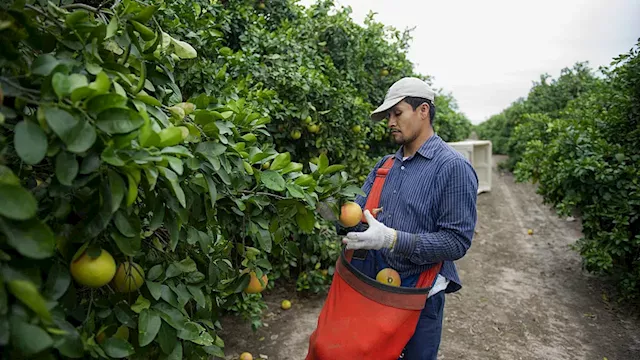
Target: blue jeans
point(426, 340)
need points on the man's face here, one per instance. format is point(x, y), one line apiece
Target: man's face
point(405, 123)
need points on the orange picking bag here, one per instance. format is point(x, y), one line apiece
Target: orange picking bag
point(361, 317)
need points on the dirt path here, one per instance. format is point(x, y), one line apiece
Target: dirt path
point(523, 297)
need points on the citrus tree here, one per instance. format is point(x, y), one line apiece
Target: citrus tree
point(135, 214)
point(578, 138)
point(314, 71)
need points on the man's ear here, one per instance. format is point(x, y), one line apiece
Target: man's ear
point(424, 110)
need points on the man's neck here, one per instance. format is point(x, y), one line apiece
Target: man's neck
point(411, 148)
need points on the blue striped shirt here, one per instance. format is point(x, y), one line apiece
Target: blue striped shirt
point(430, 200)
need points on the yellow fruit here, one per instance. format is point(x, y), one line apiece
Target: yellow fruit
point(286, 304)
point(296, 134)
point(356, 129)
point(350, 214)
point(367, 147)
point(324, 272)
point(246, 355)
point(313, 128)
point(308, 120)
point(92, 272)
point(266, 165)
point(530, 232)
point(254, 286)
point(129, 277)
point(388, 276)
point(384, 72)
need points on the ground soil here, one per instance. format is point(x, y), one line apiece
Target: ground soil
point(523, 296)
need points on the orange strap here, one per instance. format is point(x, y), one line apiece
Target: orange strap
point(373, 200)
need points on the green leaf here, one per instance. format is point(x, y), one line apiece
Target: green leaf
point(119, 121)
point(213, 192)
point(58, 281)
point(102, 83)
point(7, 176)
point(117, 348)
point(112, 28)
point(331, 169)
point(183, 49)
point(117, 187)
point(187, 265)
point(214, 350)
point(44, 64)
point(78, 135)
point(280, 161)
point(167, 338)
point(30, 142)
point(148, 326)
point(273, 180)
point(128, 226)
point(296, 191)
point(17, 202)
point(210, 148)
point(31, 238)
point(90, 164)
point(176, 353)
point(66, 168)
point(323, 163)
point(198, 295)
point(27, 338)
point(305, 219)
point(171, 136)
point(99, 103)
point(173, 180)
point(132, 194)
point(28, 293)
point(64, 85)
point(155, 289)
point(141, 304)
point(128, 245)
point(146, 13)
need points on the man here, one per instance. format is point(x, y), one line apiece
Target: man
point(428, 207)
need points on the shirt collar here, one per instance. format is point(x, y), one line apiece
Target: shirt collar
point(427, 149)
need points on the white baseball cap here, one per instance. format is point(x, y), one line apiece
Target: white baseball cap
point(408, 86)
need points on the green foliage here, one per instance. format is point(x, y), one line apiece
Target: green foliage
point(581, 144)
point(101, 151)
point(545, 97)
point(314, 71)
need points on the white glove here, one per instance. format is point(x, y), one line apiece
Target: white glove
point(376, 237)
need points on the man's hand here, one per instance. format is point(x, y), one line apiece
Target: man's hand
point(376, 237)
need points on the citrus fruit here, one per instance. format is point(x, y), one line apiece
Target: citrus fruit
point(313, 128)
point(350, 214)
point(530, 232)
point(246, 356)
point(286, 304)
point(266, 165)
point(295, 134)
point(388, 276)
point(254, 286)
point(356, 128)
point(384, 72)
point(129, 277)
point(92, 272)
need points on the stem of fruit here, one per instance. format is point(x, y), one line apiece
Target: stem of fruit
point(89, 309)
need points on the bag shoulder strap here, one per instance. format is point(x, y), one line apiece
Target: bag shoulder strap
point(373, 200)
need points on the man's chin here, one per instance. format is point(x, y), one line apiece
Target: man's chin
point(397, 138)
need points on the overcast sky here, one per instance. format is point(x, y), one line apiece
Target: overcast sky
point(487, 53)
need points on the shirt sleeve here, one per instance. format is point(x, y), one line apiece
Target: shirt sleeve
point(457, 186)
point(362, 200)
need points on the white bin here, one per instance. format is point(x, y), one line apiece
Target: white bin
point(478, 152)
